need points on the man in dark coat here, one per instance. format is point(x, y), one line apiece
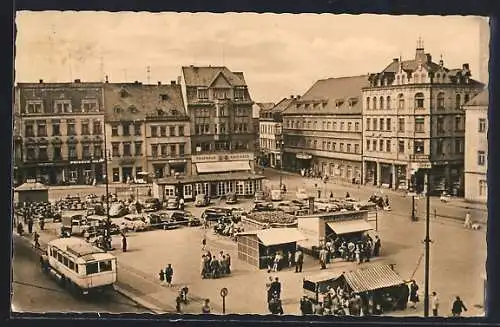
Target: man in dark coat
point(169, 273)
point(457, 307)
point(376, 247)
point(124, 243)
point(276, 288)
point(30, 225)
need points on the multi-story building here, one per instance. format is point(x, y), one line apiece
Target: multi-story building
point(323, 129)
point(168, 147)
point(62, 130)
point(222, 134)
point(414, 121)
point(476, 143)
point(126, 105)
point(257, 108)
point(270, 133)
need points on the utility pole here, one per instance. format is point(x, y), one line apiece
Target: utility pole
point(107, 239)
point(427, 245)
point(281, 143)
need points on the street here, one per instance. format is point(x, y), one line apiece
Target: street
point(33, 291)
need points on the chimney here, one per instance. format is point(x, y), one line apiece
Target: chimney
point(395, 59)
point(291, 96)
point(78, 80)
point(428, 57)
point(159, 82)
point(298, 97)
point(465, 66)
point(172, 82)
point(311, 205)
point(40, 81)
point(107, 79)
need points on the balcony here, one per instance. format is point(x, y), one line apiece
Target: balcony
point(419, 157)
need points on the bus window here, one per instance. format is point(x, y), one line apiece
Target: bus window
point(59, 257)
point(65, 261)
point(76, 267)
point(105, 266)
point(92, 268)
point(71, 265)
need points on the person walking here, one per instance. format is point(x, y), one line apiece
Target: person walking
point(30, 225)
point(42, 223)
point(468, 221)
point(204, 242)
point(161, 275)
point(181, 203)
point(36, 242)
point(322, 258)
point(299, 260)
point(169, 273)
point(434, 304)
point(376, 246)
point(124, 243)
point(457, 307)
point(178, 303)
point(268, 289)
point(414, 294)
point(276, 288)
point(205, 309)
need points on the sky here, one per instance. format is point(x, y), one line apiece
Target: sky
point(280, 54)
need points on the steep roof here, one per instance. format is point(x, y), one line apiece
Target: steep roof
point(283, 104)
point(146, 99)
point(480, 100)
point(412, 65)
point(332, 96)
point(265, 105)
point(205, 76)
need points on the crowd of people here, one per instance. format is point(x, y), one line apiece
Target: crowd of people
point(284, 259)
point(361, 250)
point(213, 266)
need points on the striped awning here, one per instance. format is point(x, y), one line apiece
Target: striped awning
point(372, 278)
point(227, 166)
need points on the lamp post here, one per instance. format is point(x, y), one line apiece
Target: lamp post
point(427, 242)
point(280, 144)
point(107, 238)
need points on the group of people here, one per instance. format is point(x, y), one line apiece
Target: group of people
point(228, 227)
point(337, 302)
point(284, 259)
point(166, 275)
point(213, 266)
point(360, 251)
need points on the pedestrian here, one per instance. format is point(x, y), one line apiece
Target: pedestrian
point(178, 302)
point(276, 288)
point(124, 243)
point(319, 194)
point(206, 307)
point(347, 195)
point(42, 223)
point(30, 225)
point(331, 195)
point(457, 307)
point(434, 304)
point(414, 294)
point(169, 273)
point(204, 242)
point(468, 221)
point(161, 274)
point(322, 258)
point(376, 246)
point(228, 262)
point(181, 203)
point(36, 242)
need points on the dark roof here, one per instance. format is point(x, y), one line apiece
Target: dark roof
point(205, 76)
point(265, 105)
point(327, 93)
point(146, 99)
point(412, 65)
point(30, 186)
point(283, 104)
point(372, 278)
point(480, 100)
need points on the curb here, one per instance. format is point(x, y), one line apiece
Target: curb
point(143, 303)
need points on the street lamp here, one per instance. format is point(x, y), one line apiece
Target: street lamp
point(107, 236)
point(280, 144)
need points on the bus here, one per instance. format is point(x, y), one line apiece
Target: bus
point(79, 266)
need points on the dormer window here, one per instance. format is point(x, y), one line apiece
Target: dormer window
point(90, 105)
point(34, 106)
point(132, 109)
point(339, 103)
point(63, 106)
point(117, 110)
point(123, 93)
point(164, 97)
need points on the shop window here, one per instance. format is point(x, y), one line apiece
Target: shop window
point(73, 176)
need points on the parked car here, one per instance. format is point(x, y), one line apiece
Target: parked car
point(155, 220)
point(152, 204)
point(263, 206)
point(201, 200)
point(215, 213)
point(301, 194)
point(231, 198)
point(135, 222)
point(172, 203)
point(117, 209)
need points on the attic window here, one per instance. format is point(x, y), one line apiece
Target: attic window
point(159, 112)
point(352, 102)
point(117, 110)
point(164, 97)
point(123, 93)
point(339, 103)
point(132, 109)
point(174, 111)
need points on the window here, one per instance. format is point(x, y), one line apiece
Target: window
point(182, 150)
point(381, 102)
point(164, 150)
point(96, 128)
point(127, 149)
point(71, 265)
point(348, 147)
point(466, 98)
point(440, 100)
point(458, 124)
point(439, 146)
point(381, 124)
point(42, 153)
point(154, 131)
point(388, 102)
point(56, 129)
point(315, 144)
point(181, 130)
point(92, 268)
point(115, 149)
point(388, 125)
point(483, 188)
point(334, 146)
point(374, 103)
point(356, 148)
point(401, 101)
point(324, 145)
point(367, 145)
point(356, 126)
point(315, 125)
point(137, 129)
point(30, 154)
point(89, 105)
point(172, 131)
point(114, 130)
point(334, 126)
point(202, 94)
point(401, 124)
point(86, 151)
point(440, 125)
point(482, 125)
point(459, 146)
point(41, 129)
point(381, 145)
point(401, 146)
point(374, 145)
point(71, 127)
point(34, 107)
point(419, 124)
point(72, 151)
point(29, 131)
point(126, 129)
point(154, 150)
point(457, 101)
point(374, 124)
point(388, 145)
point(105, 266)
point(138, 148)
point(418, 147)
point(57, 153)
point(349, 126)
point(481, 158)
point(97, 151)
point(341, 147)
point(173, 153)
point(367, 103)
point(163, 131)
point(419, 100)
point(85, 128)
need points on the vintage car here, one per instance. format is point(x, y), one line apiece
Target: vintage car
point(231, 198)
point(135, 222)
point(201, 200)
point(263, 206)
point(172, 203)
point(152, 204)
point(215, 213)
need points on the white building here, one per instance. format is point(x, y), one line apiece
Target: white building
point(476, 143)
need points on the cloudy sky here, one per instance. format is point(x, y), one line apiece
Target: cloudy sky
point(280, 54)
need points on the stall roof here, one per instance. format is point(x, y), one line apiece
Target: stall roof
point(372, 278)
point(322, 276)
point(349, 226)
point(227, 166)
point(31, 186)
point(275, 236)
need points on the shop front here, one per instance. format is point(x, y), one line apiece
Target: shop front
point(255, 247)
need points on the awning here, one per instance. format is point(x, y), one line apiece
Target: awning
point(304, 156)
point(275, 236)
point(372, 278)
point(350, 226)
point(216, 167)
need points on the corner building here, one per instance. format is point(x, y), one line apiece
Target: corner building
point(414, 120)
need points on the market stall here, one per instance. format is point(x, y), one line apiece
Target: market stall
point(255, 246)
point(32, 192)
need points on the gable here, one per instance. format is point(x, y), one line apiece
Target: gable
point(220, 81)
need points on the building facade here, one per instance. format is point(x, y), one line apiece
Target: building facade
point(323, 129)
point(270, 133)
point(476, 143)
point(61, 125)
point(414, 121)
point(222, 130)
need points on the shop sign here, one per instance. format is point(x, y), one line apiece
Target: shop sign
point(177, 161)
point(82, 162)
point(425, 165)
point(304, 156)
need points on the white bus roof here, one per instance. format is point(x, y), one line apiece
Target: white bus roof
point(80, 249)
